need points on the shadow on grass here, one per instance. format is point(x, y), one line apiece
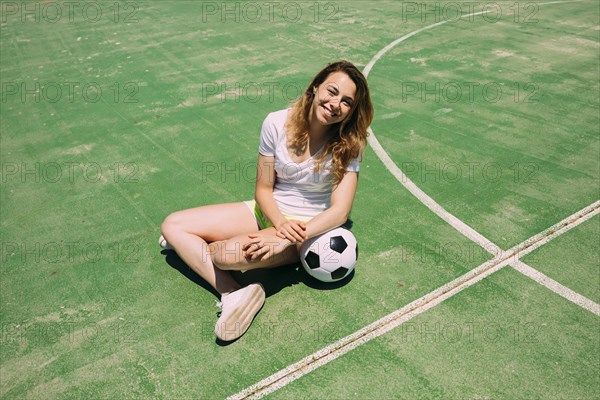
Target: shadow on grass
point(177, 263)
point(273, 279)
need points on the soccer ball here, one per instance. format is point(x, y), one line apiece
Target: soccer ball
point(330, 256)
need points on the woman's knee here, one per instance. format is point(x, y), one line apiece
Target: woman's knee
point(173, 222)
point(226, 254)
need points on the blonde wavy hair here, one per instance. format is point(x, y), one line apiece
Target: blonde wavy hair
point(349, 137)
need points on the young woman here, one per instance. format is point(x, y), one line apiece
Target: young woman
point(307, 173)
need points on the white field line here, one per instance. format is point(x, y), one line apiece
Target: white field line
point(544, 237)
point(393, 320)
point(460, 226)
point(396, 42)
point(422, 304)
point(557, 229)
point(375, 329)
point(556, 287)
point(423, 197)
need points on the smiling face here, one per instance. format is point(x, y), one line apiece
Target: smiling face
point(333, 99)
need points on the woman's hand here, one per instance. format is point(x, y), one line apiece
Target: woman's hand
point(292, 230)
point(262, 247)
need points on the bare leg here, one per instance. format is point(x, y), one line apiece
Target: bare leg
point(188, 232)
point(227, 254)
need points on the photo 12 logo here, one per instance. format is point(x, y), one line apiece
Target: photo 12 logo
point(261, 12)
point(470, 332)
point(68, 172)
point(250, 92)
point(68, 11)
point(469, 11)
point(281, 330)
point(65, 252)
point(69, 91)
point(81, 332)
point(471, 92)
point(471, 172)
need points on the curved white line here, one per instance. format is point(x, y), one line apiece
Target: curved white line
point(557, 287)
point(428, 201)
point(434, 206)
point(440, 211)
point(420, 305)
point(398, 317)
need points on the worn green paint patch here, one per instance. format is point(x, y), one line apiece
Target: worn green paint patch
point(89, 305)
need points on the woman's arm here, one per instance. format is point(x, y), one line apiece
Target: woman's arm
point(263, 195)
point(341, 204)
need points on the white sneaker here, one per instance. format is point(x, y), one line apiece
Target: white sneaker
point(238, 310)
point(163, 243)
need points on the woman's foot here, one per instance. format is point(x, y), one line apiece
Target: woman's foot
point(238, 309)
point(163, 243)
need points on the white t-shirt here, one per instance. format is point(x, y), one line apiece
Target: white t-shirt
point(298, 190)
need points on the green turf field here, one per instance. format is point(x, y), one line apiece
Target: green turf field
point(114, 114)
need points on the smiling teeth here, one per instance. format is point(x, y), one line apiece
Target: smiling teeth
point(329, 111)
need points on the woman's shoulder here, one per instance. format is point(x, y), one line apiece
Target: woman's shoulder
point(275, 121)
point(273, 128)
point(278, 117)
